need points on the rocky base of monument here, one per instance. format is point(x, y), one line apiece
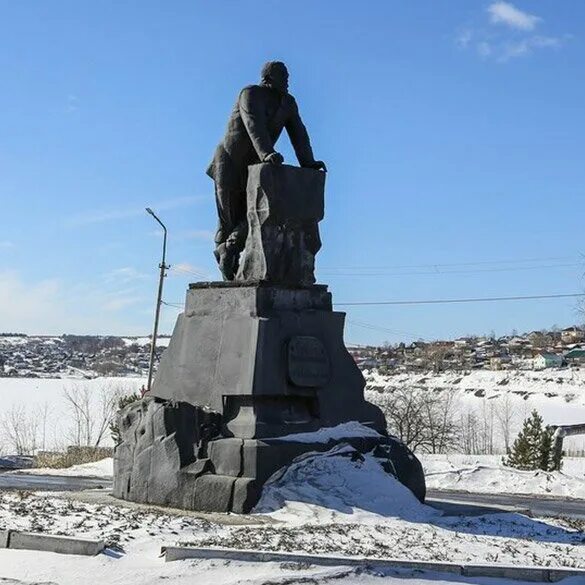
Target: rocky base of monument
point(172, 454)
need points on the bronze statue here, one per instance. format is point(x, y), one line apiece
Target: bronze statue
point(257, 120)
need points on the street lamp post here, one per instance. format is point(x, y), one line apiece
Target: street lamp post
point(163, 268)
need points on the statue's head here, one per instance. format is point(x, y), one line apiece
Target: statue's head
point(275, 75)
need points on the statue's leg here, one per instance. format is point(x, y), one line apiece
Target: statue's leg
point(237, 242)
point(224, 213)
point(231, 234)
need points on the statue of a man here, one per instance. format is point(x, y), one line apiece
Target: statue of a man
point(256, 122)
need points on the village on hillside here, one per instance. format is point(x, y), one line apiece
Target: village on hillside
point(535, 350)
point(75, 356)
point(37, 356)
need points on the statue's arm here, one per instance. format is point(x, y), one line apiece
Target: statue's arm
point(254, 118)
point(299, 137)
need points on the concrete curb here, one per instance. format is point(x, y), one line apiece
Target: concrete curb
point(481, 507)
point(535, 574)
point(46, 542)
point(4, 538)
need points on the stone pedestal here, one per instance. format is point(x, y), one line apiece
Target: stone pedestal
point(247, 364)
point(285, 205)
point(270, 359)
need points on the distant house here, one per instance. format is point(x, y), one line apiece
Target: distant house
point(499, 362)
point(547, 360)
point(368, 362)
point(518, 342)
point(575, 356)
point(572, 335)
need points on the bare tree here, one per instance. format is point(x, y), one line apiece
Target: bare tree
point(506, 416)
point(440, 414)
point(480, 426)
point(486, 428)
point(469, 441)
point(43, 413)
point(92, 411)
point(21, 429)
point(422, 419)
point(108, 405)
point(78, 399)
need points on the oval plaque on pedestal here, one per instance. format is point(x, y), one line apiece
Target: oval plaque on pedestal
point(308, 362)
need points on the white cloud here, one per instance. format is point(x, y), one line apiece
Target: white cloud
point(97, 216)
point(484, 49)
point(508, 15)
point(52, 307)
point(72, 103)
point(464, 38)
point(548, 42)
point(5, 244)
point(125, 275)
point(26, 307)
point(516, 38)
point(121, 302)
point(521, 48)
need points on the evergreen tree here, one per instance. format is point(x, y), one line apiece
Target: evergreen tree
point(123, 401)
point(533, 448)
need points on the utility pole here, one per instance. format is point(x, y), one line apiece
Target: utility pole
point(163, 268)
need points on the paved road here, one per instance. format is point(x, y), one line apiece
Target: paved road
point(450, 502)
point(25, 481)
point(457, 502)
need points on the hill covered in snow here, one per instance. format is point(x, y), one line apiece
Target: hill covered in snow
point(81, 356)
point(495, 402)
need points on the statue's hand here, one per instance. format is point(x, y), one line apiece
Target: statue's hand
point(274, 158)
point(317, 165)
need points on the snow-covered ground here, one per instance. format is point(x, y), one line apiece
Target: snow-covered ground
point(557, 394)
point(102, 469)
point(143, 570)
point(487, 474)
point(160, 341)
point(337, 503)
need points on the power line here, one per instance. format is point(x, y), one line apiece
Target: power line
point(174, 305)
point(469, 300)
point(432, 302)
point(182, 270)
point(454, 264)
point(383, 329)
point(437, 272)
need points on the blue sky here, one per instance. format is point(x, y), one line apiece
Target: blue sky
point(453, 132)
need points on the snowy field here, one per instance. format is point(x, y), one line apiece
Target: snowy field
point(486, 474)
point(42, 400)
point(557, 394)
point(35, 392)
point(333, 503)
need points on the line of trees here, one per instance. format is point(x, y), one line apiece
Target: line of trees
point(83, 420)
point(432, 421)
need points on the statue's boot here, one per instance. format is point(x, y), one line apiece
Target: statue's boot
point(227, 258)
